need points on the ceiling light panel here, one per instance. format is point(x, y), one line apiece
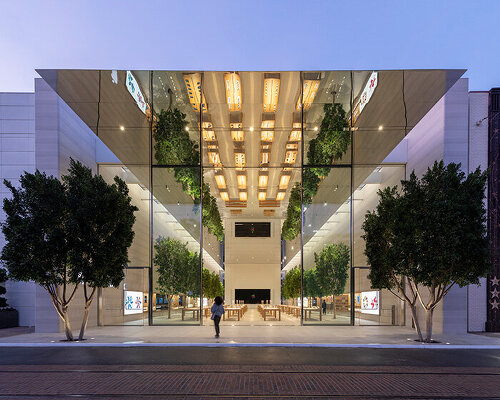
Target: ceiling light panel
point(271, 94)
point(220, 180)
point(310, 88)
point(233, 91)
point(263, 179)
point(267, 136)
point(281, 195)
point(195, 94)
point(239, 159)
point(237, 136)
point(284, 180)
point(242, 181)
point(290, 156)
point(243, 196)
point(262, 195)
point(224, 195)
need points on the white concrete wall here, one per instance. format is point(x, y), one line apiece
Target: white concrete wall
point(443, 134)
point(17, 154)
point(478, 157)
point(253, 263)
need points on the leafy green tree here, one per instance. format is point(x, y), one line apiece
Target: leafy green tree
point(332, 268)
point(210, 214)
point(99, 229)
point(390, 248)
point(36, 246)
point(178, 269)
point(332, 141)
point(445, 229)
point(330, 145)
point(291, 225)
point(212, 286)
point(3, 279)
point(291, 284)
point(173, 147)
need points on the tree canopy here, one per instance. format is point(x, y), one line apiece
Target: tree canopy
point(77, 231)
point(332, 268)
point(430, 235)
point(291, 284)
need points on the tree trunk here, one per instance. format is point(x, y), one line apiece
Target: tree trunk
point(428, 324)
point(413, 310)
point(67, 325)
point(169, 303)
point(84, 321)
point(334, 308)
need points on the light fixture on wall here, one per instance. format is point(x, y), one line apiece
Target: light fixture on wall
point(281, 195)
point(262, 195)
point(243, 195)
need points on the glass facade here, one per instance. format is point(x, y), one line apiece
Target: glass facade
point(203, 152)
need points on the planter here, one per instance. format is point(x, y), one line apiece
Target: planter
point(9, 318)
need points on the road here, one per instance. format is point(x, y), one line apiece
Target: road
point(247, 373)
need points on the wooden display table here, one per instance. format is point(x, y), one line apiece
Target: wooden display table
point(309, 310)
point(194, 310)
point(273, 311)
point(234, 310)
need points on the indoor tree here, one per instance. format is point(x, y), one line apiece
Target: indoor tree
point(36, 247)
point(291, 225)
point(178, 269)
point(446, 238)
point(332, 266)
point(99, 227)
point(174, 147)
point(328, 146)
point(291, 284)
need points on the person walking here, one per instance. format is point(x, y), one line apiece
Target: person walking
point(217, 311)
point(323, 306)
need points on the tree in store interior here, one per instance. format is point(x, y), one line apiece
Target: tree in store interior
point(291, 284)
point(332, 266)
point(311, 285)
point(435, 236)
point(65, 234)
point(325, 149)
point(173, 147)
point(99, 231)
point(178, 269)
point(212, 286)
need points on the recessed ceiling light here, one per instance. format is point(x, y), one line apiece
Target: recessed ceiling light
point(187, 128)
point(251, 129)
point(380, 127)
point(316, 128)
point(122, 128)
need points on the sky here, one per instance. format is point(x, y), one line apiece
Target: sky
point(249, 35)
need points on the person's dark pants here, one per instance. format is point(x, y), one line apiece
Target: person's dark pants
point(216, 323)
point(324, 310)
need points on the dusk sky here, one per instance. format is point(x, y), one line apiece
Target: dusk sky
point(249, 35)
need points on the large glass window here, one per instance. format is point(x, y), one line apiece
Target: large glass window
point(327, 249)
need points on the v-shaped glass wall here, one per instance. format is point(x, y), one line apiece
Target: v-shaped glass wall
point(252, 186)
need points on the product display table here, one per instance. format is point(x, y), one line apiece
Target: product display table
point(291, 310)
point(234, 310)
point(309, 310)
point(194, 310)
point(273, 311)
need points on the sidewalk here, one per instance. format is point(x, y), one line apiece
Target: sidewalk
point(316, 336)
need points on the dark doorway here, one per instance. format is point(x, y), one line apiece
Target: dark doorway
point(253, 296)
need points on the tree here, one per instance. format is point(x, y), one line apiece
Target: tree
point(99, 231)
point(332, 266)
point(173, 147)
point(445, 228)
point(178, 269)
point(212, 286)
point(291, 225)
point(291, 284)
point(3, 278)
point(36, 246)
point(390, 248)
